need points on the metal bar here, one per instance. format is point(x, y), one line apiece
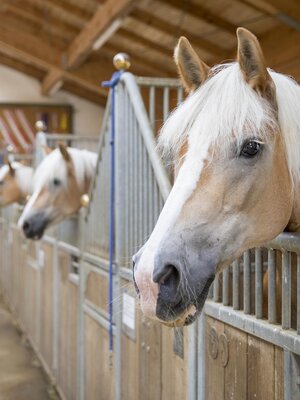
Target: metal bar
point(274, 334)
point(146, 131)
point(235, 285)
point(152, 106)
point(166, 97)
point(192, 361)
point(271, 286)
point(298, 294)
point(216, 288)
point(158, 82)
point(247, 282)
point(286, 290)
point(225, 290)
point(258, 284)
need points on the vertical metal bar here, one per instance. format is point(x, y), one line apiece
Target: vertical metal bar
point(201, 351)
point(247, 282)
point(235, 285)
point(56, 316)
point(152, 107)
point(225, 290)
point(298, 294)
point(192, 361)
point(258, 284)
point(119, 232)
point(271, 286)
point(166, 105)
point(216, 288)
point(286, 290)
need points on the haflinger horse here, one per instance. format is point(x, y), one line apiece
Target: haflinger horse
point(15, 183)
point(60, 180)
point(236, 139)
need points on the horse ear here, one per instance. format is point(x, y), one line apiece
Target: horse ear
point(192, 71)
point(47, 150)
point(11, 168)
point(64, 152)
point(252, 64)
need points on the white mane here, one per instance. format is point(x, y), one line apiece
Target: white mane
point(54, 166)
point(23, 175)
point(225, 105)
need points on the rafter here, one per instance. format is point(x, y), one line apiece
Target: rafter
point(205, 14)
point(103, 24)
point(173, 30)
point(42, 65)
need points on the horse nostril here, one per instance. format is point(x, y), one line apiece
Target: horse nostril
point(168, 279)
point(26, 226)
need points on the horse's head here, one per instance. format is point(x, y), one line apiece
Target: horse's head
point(234, 185)
point(15, 183)
point(59, 182)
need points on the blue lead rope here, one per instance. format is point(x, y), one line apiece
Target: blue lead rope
point(112, 84)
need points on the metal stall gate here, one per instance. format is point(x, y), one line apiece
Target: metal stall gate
point(245, 346)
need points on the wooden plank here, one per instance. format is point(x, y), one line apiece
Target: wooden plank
point(104, 23)
point(214, 373)
point(235, 381)
point(171, 29)
point(289, 7)
point(261, 369)
point(204, 14)
point(51, 82)
point(174, 368)
point(99, 372)
point(279, 374)
point(150, 360)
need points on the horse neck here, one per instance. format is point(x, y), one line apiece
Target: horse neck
point(294, 222)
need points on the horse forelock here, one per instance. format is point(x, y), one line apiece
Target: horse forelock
point(54, 166)
point(226, 107)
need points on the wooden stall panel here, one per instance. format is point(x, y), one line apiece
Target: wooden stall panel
point(68, 299)
point(130, 348)
point(99, 372)
point(97, 289)
point(240, 366)
point(150, 355)
point(214, 373)
point(261, 371)
point(46, 305)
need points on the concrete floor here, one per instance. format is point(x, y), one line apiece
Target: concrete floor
point(21, 376)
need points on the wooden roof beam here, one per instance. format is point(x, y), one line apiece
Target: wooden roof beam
point(173, 30)
point(52, 82)
point(105, 22)
point(39, 64)
point(200, 12)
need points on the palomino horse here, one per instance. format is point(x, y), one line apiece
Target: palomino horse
point(236, 139)
point(15, 183)
point(60, 180)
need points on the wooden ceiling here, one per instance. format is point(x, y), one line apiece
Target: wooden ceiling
point(71, 43)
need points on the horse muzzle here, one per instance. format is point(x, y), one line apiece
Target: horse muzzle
point(34, 226)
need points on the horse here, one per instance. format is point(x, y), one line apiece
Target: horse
point(15, 183)
point(59, 181)
point(235, 140)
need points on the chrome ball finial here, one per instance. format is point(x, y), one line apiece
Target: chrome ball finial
point(85, 200)
point(40, 126)
point(121, 61)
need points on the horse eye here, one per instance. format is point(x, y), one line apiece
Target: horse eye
point(250, 149)
point(56, 182)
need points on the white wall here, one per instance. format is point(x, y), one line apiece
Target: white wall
point(20, 88)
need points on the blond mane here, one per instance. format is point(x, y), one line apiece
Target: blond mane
point(225, 106)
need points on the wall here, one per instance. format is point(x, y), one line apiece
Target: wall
point(18, 87)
